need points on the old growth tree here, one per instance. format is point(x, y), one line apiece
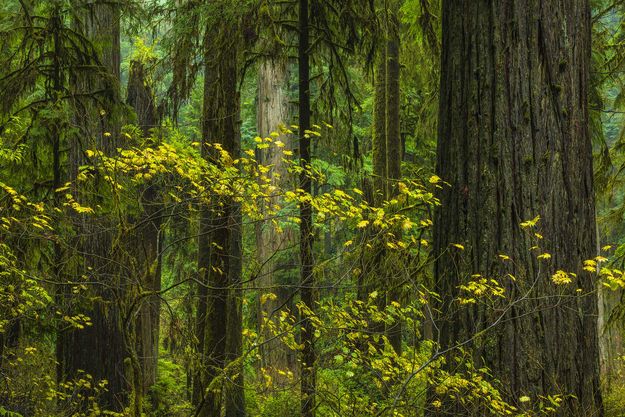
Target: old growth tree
point(514, 144)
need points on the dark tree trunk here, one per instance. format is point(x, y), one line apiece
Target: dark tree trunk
point(145, 242)
point(379, 129)
point(235, 395)
point(307, 372)
point(514, 144)
point(216, 265)
point(374, 257)
point(393, 156)
point(98, 349)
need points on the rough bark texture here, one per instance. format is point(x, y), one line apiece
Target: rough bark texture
point(146, 242)
point(276, 248)
point(513, 144)
point(98, 349)
point(235, 394)
point(308, 358)
point(393, 155)
point(216, 265)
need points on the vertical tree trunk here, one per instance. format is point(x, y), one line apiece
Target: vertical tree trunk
point(146, 242)
point(216, 265)
point(307, 372)
point(98, 349)
point(373, 260)
point(393, 153)
point(379, 129)
point(235, 394)
point(513, 144)
point(275, 247)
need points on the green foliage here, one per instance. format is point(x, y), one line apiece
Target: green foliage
point(168, 393)
point(48, 71)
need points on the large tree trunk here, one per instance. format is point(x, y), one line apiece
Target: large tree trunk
point(145, 242)
point(513, 144)
point(275, 245)
point(98, 349)
point(219, 225)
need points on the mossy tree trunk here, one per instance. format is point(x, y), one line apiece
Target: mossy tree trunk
point(393, 158)
point(219, 243)
point(387, 155)
point(514, 144)
point(98, 349)
point(145, 243)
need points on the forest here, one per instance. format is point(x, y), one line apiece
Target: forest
point(341, 208)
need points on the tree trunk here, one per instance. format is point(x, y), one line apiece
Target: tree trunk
point(374, 257)
point(146, 242)
point(514, 144)
point(97, 349)
point(216, 265)
point(379, 129)
point(235, 394)
point(393, 156)
point(307, 372)
point(275, 245)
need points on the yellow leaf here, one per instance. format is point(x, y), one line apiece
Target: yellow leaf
point(268, 296)
point(530, 223)
point(561, 278)
point(362, 223)
point(435, 179)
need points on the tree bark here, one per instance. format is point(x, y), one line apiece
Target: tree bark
point(379, 129)
point(275, 245)
point(98, 349)
point(308, 358)
point(235, 394)
point(145, 244)
point(393, 156)
point(513, 144)
point(216, 265)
